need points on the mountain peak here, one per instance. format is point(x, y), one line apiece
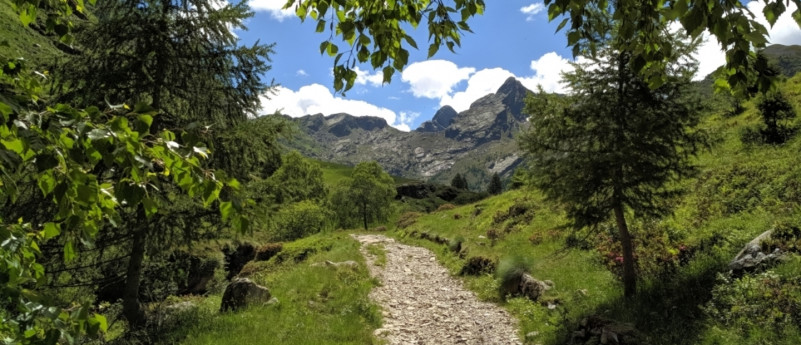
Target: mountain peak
point(441, 120)
point(511, 85)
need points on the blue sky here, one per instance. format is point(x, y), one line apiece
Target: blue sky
point(512, 38)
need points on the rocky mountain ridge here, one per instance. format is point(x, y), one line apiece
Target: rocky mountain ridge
point(476, 142)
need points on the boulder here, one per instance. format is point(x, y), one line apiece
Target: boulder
point(242, 292)
point(751, 256)
point(532, 288)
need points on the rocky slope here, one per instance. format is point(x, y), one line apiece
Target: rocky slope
point(476, 142)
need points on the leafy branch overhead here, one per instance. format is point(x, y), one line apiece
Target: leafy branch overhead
point(375, 31)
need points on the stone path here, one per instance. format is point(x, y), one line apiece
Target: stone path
point(423, 304)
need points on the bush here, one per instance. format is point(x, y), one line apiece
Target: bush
point(765, 308)
point(478, 265)
point(299, 220)
point(407, 219)
point(267, 251)
point(455, 244)
point(509, 273)
point(445, 207)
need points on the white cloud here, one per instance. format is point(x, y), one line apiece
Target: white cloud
point(531, 10)
point(274, 7)
point(301, 73)
point(365, 77)
point(405, 120)
point(434, 78)
point(316, 99)
point(480, 84)
point(785, 30)
point(548, 71)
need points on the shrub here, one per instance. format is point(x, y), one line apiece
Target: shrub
point(300, 219)
point(455, 244)
point(478, 265)
point(267, 251)
point(407, 219)
point(760, 309)
point(493, 234)
point(457, 216)
point(445, 207)
point(509, 273)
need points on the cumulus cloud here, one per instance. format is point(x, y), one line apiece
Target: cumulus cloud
point(531, 10)
point(405, 120)
point(434, 78)
point(481, 83)
point(274, 7)
point(318, 99)
point(439, 79)
point(785, 30)
point(548, 71)
point(365, 77)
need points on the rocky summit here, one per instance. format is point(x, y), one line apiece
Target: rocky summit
point(475, 143)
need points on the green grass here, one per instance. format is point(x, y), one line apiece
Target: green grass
point(380, 253)
point(25, 42)
point(317, 304)
point(739, 192)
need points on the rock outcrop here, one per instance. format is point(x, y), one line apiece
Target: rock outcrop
point(752, 257)
point(242, 292)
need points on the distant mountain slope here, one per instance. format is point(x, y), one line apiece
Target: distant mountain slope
point(476, 142)
point(787, 58)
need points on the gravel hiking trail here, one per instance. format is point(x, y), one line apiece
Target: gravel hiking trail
point(423, 304)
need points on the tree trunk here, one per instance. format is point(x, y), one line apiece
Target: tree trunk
point(364, 215)
point(629, 275)
point(130, 299)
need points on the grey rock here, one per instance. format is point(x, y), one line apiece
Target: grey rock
point(242, 292)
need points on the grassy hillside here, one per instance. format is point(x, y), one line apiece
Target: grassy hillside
point(26, 42)
point(741, 191)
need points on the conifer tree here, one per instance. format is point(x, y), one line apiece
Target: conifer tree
point(614, 145)
point(182, 58)
point(495, 186)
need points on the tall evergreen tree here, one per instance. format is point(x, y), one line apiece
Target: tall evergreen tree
point(459, 182)
point(495, 186)
point(182, 58)
point(614, 145)
point(776, 111)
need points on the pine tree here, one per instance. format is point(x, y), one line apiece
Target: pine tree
point(183, 59)
point(775, 110)
point(614, 145)
point(495, 186)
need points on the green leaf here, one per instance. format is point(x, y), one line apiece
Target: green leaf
point(27, 14)
point(69, 251)
point(151, 208)
point(225, 210)
point(320, 25)
point(301, 12)
point(51, 230)
point(5, 110)
point(432, 49)
point(46, 183)
point(797, 16)
point(332, 49)
point(388, 71)
point(324, 46)
point(410, 41)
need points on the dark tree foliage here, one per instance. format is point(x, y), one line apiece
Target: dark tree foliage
point(495, 186)
point(459, 182)
point(776, 113)
point(614, 145)
point(366, 197)
point(181, 57)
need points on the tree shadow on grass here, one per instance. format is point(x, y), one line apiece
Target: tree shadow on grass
point(667, 309)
